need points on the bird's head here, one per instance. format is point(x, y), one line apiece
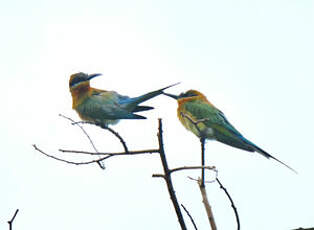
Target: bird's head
point(190, 94)
point(80, 79)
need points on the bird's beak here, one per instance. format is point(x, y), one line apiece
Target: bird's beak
point(90, 76)
point(171, 95)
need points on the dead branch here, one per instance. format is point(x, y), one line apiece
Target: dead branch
point(111, 154)
point(66, 161)
point(207, 206)
point(106, 128)
point(167, 172)
point(167, 176)
point(107, 155)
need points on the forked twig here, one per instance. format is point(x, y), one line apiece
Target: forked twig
point(106, 128)
point(101, 165)
point(106, 155)
point(84, 131)
point(66, 161)
point(10, 222)
point(167, 177)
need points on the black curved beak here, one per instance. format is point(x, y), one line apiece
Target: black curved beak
point(90, 76)
point(171, 95)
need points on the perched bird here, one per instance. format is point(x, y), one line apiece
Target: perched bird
point(105, 107)
point(202, 118)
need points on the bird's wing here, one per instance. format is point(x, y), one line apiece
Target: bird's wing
point(215, 119)
point(105, 105)
point(201, 111)
point(223, 130)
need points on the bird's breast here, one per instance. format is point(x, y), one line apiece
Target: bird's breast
point(198, 128)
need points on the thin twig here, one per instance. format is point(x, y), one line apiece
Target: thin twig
point(10, 222)
point(159, 175)
point(107, 155)
point(197, 180)
point(84, 131)
point(107, 128)
point(101, 165)
point(69, 162)
point(208, 181)
point(118, 136)
point(167, 177)
point(192, 167)
point(189, 215)
point(207, 206)
point(232, 204)
point(111, 154)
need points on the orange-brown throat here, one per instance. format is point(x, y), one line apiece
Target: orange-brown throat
point(79, 93)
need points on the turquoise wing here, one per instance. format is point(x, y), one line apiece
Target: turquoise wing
point(104, 106)
point(223, 130)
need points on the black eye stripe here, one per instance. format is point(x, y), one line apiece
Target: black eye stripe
point(77, 80)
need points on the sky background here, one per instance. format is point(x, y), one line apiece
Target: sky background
point(252, 59)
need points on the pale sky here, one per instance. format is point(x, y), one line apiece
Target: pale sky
point(252, 59)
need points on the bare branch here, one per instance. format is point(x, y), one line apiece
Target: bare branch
point(167, 177)
point(107, 155)
point(203, 160)
point(111, 154)
point(159, 175)
point(207, 206)
point(192, 167)
point(107, 128)
point(232, 204)
point(206, 182)
point(84, 131)
point(101, 165)
point(201, 182)
point(69, 162)
point(189, 215)
point(10, 222)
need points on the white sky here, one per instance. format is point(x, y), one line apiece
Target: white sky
point(253, 60)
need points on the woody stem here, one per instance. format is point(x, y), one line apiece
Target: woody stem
point(203, 161)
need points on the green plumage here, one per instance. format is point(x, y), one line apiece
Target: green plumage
point(214, 119)
point(202, 118)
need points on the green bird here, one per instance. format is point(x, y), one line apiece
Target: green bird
point(105, 107)
point(202, 118)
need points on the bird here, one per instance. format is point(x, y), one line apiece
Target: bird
point(103, 107)
point(202, 118)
